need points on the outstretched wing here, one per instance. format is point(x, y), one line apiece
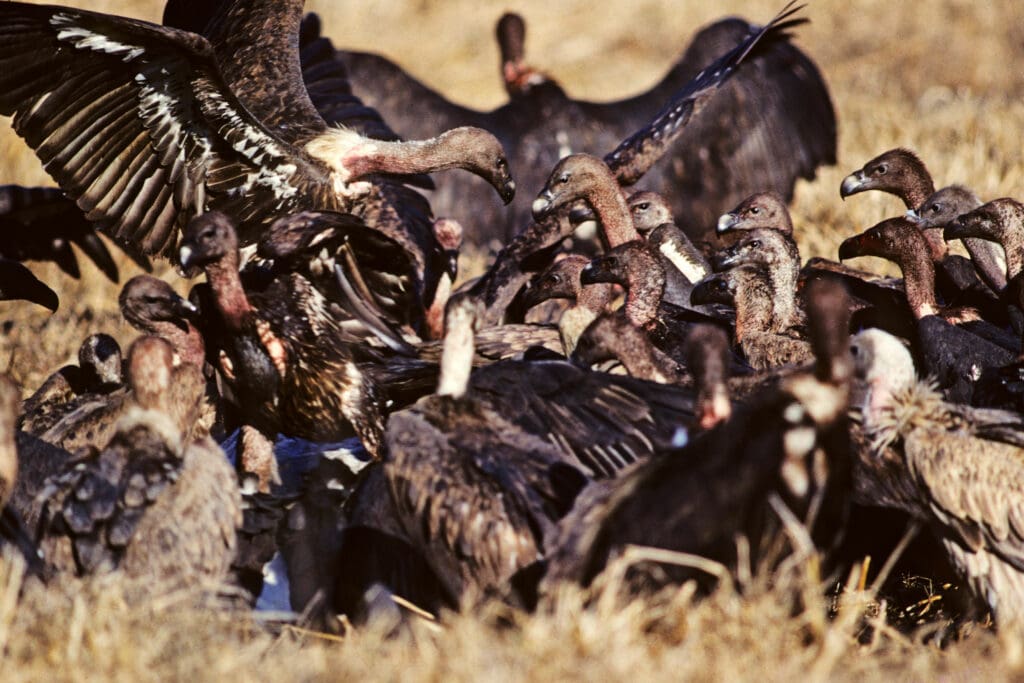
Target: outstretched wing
point(136, 125)
point(635, 155)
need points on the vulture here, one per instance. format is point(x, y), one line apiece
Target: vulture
point(772, 124)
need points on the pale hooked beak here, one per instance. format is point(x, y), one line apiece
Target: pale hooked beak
point(725, 223)
point(184, 256)
point(542, 204)
point(852, 184)
point(913, 216)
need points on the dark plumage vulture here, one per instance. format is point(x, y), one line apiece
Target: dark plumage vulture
point(146, 126)
point(786, 443)
point(509, 447)
point(902, 173)
point(770, 125)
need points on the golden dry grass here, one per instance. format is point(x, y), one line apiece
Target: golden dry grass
point(940, 76)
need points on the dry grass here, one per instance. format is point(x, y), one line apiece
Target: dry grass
point(940, 76)
point(777, 628)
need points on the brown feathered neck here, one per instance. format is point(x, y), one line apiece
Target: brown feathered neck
point(707, 353)
point(645, 284)
point(752, 300)
point(612, 336)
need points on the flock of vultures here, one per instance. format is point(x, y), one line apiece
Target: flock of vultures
point(646, 361)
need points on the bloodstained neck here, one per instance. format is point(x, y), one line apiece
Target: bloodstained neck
point(228, 293)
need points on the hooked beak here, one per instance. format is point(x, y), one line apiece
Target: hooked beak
point(532, 295)
point(957, 230)
point(591, 275)
point(706, 292)
point(541, 206)
point(581, 213)
point(852, 184)
point(724, 260)
point(452, 263)
point(913, 216)
point(184, 308)
point(852, 247)
point(185, 256)
point(507, 191)
point(725, 223)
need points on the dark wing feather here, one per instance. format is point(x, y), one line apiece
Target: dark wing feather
point(635, 155)
point(40, 223)
point(18, 282)
point(482, 509)
point(601, 423)
point(135, 124)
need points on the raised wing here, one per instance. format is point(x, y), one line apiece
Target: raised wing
point(635, 155)
point(136, 125)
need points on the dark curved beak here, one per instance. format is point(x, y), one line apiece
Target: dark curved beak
point(507, 191)
point(184, 308)
point(581, 213)
point(593, 273)
point(957, 230)
point(852, 184)
point(542, 205)
point(723, 260)
point(852, 247)
point(707, 292)
point(725, 223)
point(531, 296)
point(451, 263)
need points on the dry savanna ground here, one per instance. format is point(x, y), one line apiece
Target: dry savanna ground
point(940, 76)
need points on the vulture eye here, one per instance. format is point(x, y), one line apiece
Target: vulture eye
point(564, 178)
point(935, 208)
point(854, 350)
point(643, 206)
point(556, 278)
point(755, 210)
point(755, 244)
point(881, 170)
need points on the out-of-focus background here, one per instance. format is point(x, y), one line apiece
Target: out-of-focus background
point(943, 77)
